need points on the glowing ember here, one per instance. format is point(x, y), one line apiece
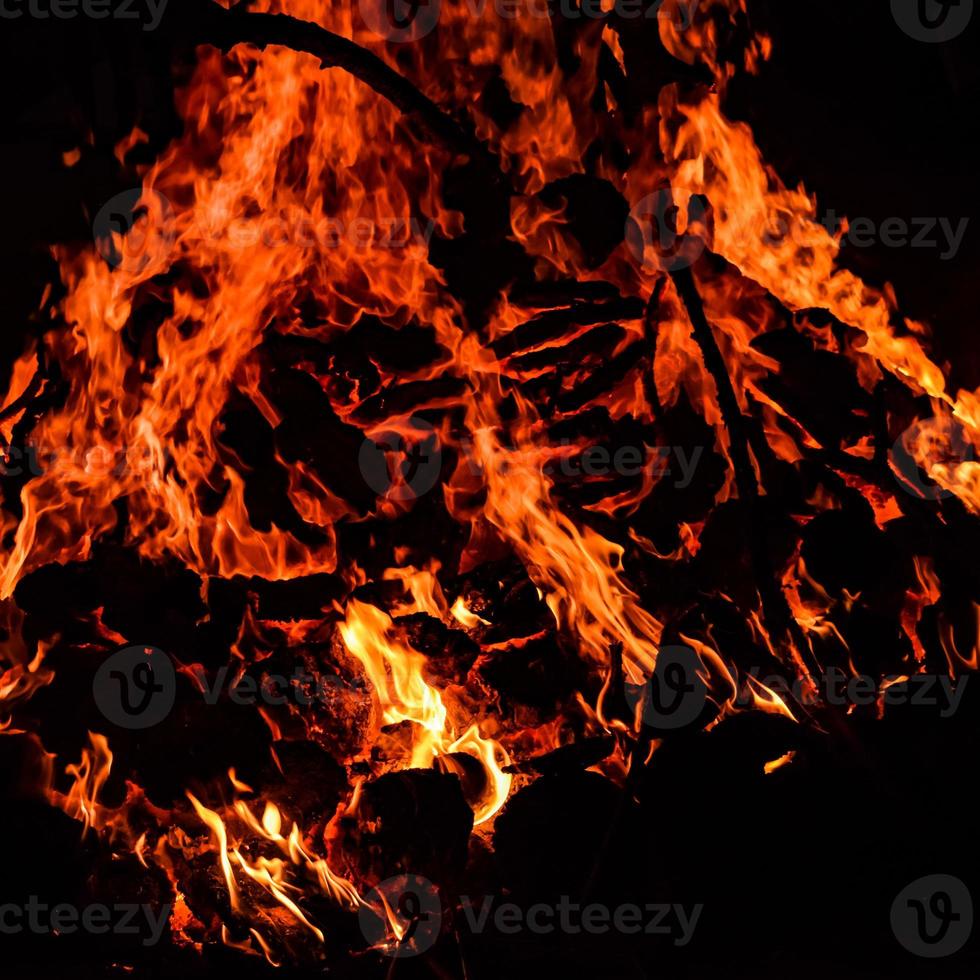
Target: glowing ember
point(275, 381)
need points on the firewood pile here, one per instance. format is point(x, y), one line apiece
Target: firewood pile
point(408, 530)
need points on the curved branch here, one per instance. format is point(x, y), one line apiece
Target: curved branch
point(226, 28)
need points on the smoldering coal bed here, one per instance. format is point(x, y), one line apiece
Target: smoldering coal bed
point(582, 581)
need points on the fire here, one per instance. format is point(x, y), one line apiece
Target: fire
point(274, 876)
point(219, 836)
point(465, 616)
point(578, 569)
point(396, 672)
point(89, 775)
point(298, 215)
point(784, 760)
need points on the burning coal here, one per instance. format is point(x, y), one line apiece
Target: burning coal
point(439, 422)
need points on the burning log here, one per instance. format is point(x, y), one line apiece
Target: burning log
point(557, 323)
point(550, 838)
point(415, 822)
point(568, 758)
point(469, 666)
point(778, 615)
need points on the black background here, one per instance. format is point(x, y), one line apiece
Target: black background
point(877, 125)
